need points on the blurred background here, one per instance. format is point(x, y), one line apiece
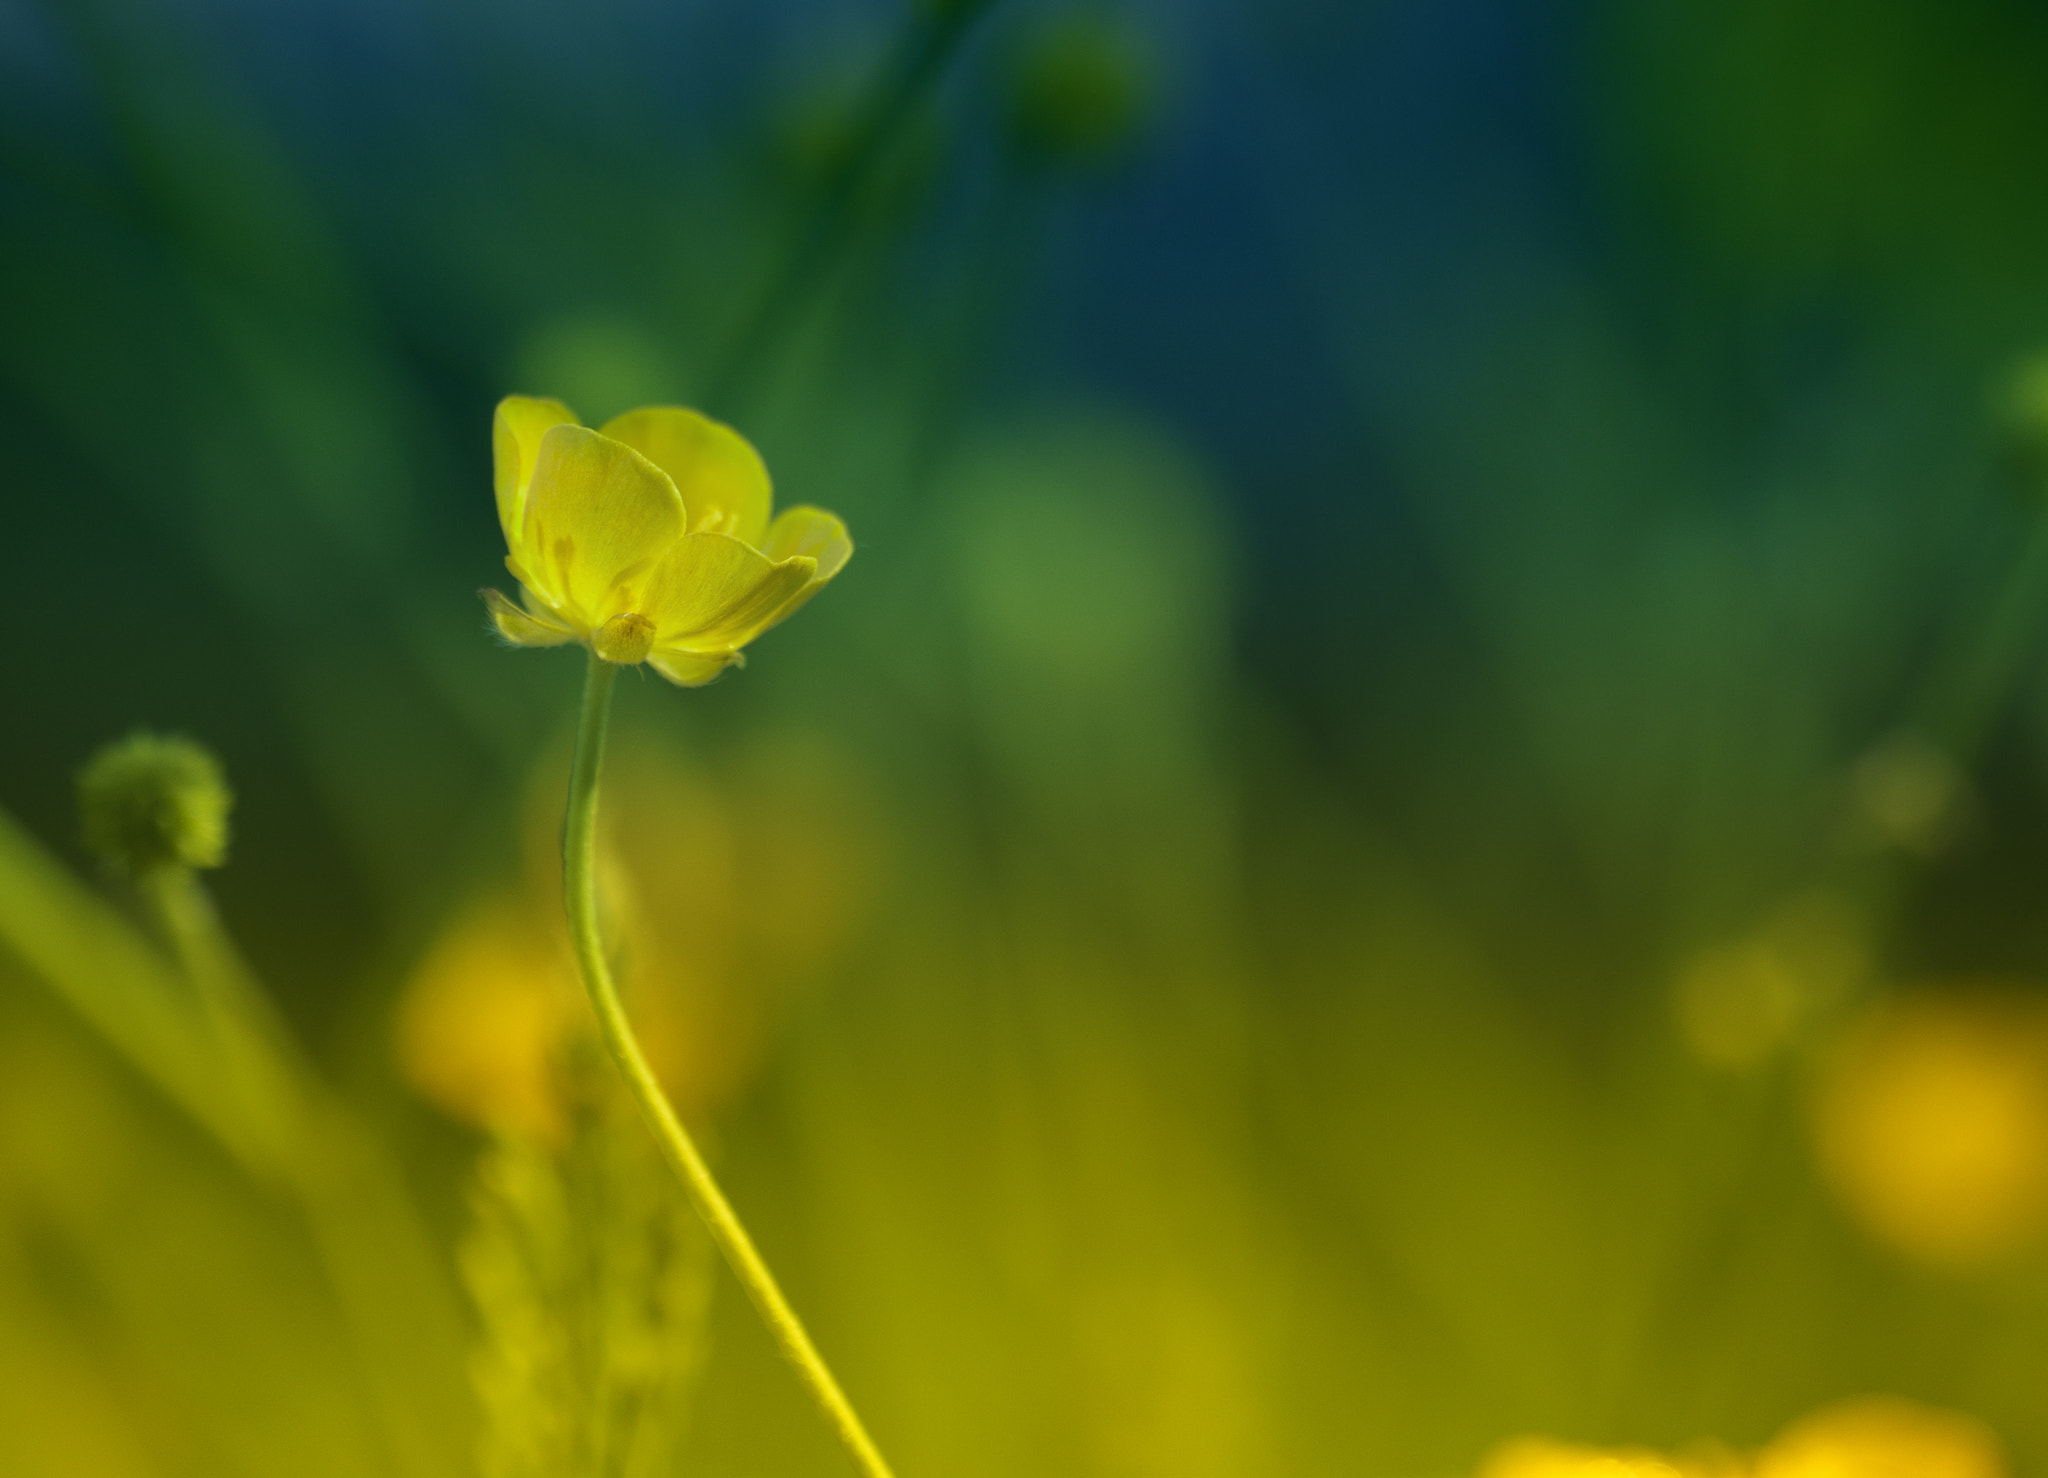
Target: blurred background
point(1424, 816)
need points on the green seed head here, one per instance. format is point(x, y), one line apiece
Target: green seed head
point(155, 800)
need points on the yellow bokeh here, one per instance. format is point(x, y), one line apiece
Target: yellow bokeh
point(1739, 1004)
point(722, 894)
point(1545, 1457)
point(484, 1016)
point(1862, 1437)
point(1742, 1003)
point(1883, 1437)
point(1932, 1123)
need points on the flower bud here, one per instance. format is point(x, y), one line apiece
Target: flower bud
point(151, 801)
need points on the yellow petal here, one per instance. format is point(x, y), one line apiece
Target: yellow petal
point(812, 531)
point(711, 591)
point(720, 476)
point(807, 531)
point(524, 628)
point(537, 609)
point(598, 517)
point(789, 607)
point(516, 431)
point(693, 669)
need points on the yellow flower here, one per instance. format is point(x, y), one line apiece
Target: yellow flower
point(1883, 1437)
point(483, 1022)
point(1864, 1437)
point(1544, 1457)
point(648, 540)
point(1931, 1122)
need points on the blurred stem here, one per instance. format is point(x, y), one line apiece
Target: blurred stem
point(102, 969)
point(243, 1026)
point(935, 35)
point(1966, 700)
point(371, 1247)
point(580, 897)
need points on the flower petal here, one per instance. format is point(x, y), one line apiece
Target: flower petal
point(516, 431)
point(711, 591)
point(598, 518)
point(539, 610)
point(724, 485)
point(812, 531)
point(693, 669)
point(524, 628)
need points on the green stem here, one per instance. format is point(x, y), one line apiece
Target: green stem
point(256, 1050)
point(371, 1247)
point(580, 894)
point(935, 37)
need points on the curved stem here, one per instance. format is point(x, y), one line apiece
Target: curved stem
point(580, 895)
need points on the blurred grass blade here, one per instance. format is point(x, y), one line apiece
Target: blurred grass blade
point(379, 1263)
point(102, 968)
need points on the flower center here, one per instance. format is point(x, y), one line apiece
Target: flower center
point(625, 639)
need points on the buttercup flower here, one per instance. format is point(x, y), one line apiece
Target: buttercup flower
point(648, 540)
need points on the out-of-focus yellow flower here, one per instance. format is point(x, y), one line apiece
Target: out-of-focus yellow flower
point(648, 540)
point(1863, 1437)
point(1883, 1437)
point(695, 869)
point(1932, 1123)
point(1545, 1457)
point(482, 1021)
